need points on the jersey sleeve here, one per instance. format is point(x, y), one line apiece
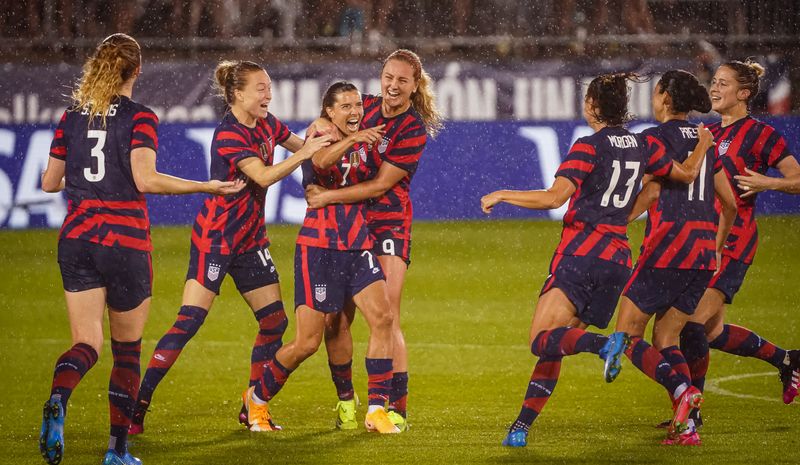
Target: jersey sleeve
point(774, 147)
point(58, 148)
point(407, 150)
point(280, 131)
point(580, 161)
point(233, 146)
point(145, 131)
point(658, 162)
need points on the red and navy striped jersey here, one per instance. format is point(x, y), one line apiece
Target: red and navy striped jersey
point(341, 226)
point(402, 146)
point(747, 143)
point(234, 224)
point(103, 204)
point(682, 224)
point(606, 169)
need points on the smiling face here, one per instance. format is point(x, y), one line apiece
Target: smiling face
point(397, 85)
point(254, 98)
point(346, 112)
point(726, 93)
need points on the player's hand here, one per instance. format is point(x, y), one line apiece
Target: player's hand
point(324, 127)
point(488, 201)
point(315, 196)
point(313, 144)
point(705, 138)
point(753, 183)
point(217, 187)
point(370, 135)
point(719, 263)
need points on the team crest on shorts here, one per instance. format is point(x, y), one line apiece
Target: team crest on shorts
point(723, 147)
point(320, 292)
point(383, 145)
point(213, 271)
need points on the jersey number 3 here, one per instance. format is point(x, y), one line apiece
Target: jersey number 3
point(621, 202)
point(97, 152)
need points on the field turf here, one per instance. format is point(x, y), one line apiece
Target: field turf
point(466, 312)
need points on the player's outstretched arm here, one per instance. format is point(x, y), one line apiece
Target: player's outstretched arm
point(552, 198)
point(266, 176)
point(755, 182)
point(688, 171)
point(331, 154)
point(388, 175)
point(149, 181)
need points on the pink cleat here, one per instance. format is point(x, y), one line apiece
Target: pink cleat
point(690, 399)
point(689, 438)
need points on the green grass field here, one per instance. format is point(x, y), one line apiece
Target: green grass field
point(466, 312)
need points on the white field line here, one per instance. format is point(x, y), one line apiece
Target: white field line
point(713, 385)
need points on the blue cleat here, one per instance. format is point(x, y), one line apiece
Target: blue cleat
point(516, 438)
point(612, 352)
point(51, 437)
point(112, 458)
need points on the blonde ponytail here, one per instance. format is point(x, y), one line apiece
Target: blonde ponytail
point(114, 62)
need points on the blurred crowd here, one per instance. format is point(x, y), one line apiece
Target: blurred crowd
point(375, 19)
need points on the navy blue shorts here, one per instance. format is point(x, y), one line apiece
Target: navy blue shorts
point(386, 244)
point(593, 285)
point(249, 271)
point(325, 279)
point(730, 278)
point(656, 290)
point(127, 274)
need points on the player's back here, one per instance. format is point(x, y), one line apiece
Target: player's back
point(104, 204)
point(681, 225)
point(606, 169)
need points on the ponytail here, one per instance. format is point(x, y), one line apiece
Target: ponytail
point(230, 76)
point(685, 91)
point(609, 94)
point(115, 61)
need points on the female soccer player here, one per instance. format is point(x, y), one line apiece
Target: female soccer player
point(747, 148)
point(406, 107)
point(682, 241)
point(229, 234)
point(104, 157)
point(333, 264)
point(592, 262)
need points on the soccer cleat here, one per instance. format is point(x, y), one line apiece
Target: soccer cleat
point(112, 458)
point(257, 415)
point(51, 437)
point(398, 420)
point(346, 414)
point(690, 399)
point(695, 415)
point(516, 438)
point(612, 352)
point(689, 438)
point(137, 421)
point(243, 417)
point(790, 375)
point(379, 421)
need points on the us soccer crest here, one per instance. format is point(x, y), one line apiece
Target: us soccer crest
point(320, 292)
point(383, 145)
point(723, 147)
point(263, 149)
point(354, 159)
point(213, 271)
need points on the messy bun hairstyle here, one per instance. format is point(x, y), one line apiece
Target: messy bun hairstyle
point(609, 94)
point(231, 76)
point(748, 75)
point(685, 91)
